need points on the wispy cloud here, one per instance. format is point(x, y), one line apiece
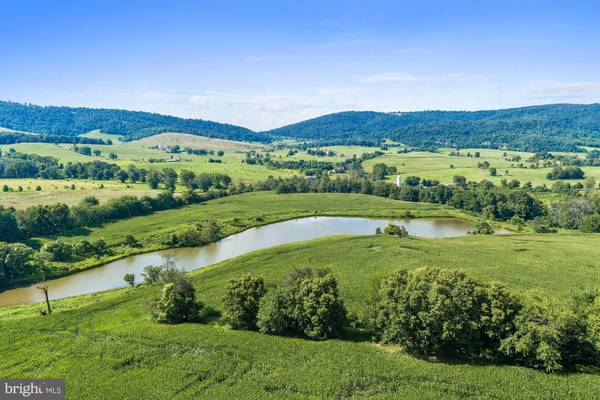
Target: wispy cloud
point(391, 77)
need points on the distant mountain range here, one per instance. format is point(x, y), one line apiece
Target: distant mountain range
point(536, 128)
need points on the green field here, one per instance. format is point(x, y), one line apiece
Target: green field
point(61, 191)
point(438, 166)
point(106, 346)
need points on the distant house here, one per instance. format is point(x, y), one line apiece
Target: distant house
point(174, 159)
point(398, 180)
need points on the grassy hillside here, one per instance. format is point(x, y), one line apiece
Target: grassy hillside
point(195, 142)
point(443, 167)
point(106, 346)
point(549, 127)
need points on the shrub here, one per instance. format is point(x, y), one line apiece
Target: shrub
point(59, 250)
point(590, 223)
point(276, 313)
point(395, 230)
point(442, 312)
point(319, 311)
point(241, 301)
point(189, 236)
point(130, 279)
point(593, 322)
point(151, 273)
point(482, 228)
point(177, 302)
point(548, 335)
point(131, 241)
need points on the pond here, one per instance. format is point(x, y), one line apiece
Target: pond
point(110, 275)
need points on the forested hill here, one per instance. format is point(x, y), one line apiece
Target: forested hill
point(69, 121)
point(548, 127)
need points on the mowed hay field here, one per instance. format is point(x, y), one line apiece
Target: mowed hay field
point(68, 191)
point(106, 346)
point(443, 167)
point(195, 142)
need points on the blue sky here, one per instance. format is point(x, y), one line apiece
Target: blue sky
point(263, 64)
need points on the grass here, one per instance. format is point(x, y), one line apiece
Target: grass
point(196, 142)
point(60, 191)
point(139, 155)
point(105, 346)
point(437, 166)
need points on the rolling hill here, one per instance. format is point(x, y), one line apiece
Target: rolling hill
point(535, 128)
point(557, 127)
point(69, 121)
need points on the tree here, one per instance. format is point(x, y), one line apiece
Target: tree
point(548, 335)
point(188, 178)
point(319, 311)
point(131, 241)
point(14, 262)
point(41, 271)
point(482, 228)
point(169, 178)
point(130, 279)
point(593, 322)
point(276, 312)
point(395, 230)
point(442, 312)
point(177, 302)
point(241, 301)
point(153, 178)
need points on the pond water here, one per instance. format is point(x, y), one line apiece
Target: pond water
point(110, 275)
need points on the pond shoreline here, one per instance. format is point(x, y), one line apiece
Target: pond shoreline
point(295, 229)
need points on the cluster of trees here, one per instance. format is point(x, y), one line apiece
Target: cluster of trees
point(483, 197)
point(574, 212)
point(52, 219)
point(436, 312)
point(19, 137)
point(559, 127)
point(20, 264)
point(571, 172)
point(427, 311)
point(306, 304)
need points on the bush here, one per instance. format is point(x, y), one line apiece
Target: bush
point(442, 312)
point(59, 250)
point(590, 223)
point(130, 279)
point(276, 313)
point(395, 230)
point(548, 336)
point(593, 322)
point(482, 228)
point(319, 311)
point(241, 301)
point(177, 302)
point(189, 236)
point(151, 274)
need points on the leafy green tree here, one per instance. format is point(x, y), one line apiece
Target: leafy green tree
point(395, 230)
point(177, 302)
point(548, 335)
point(241, 301)
point(169, 177)
point(130, 279)
point(276, 312)
point(319, 311)
point(442, 312)
point(482, 228)
point(153, 178)
point(590, 223)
